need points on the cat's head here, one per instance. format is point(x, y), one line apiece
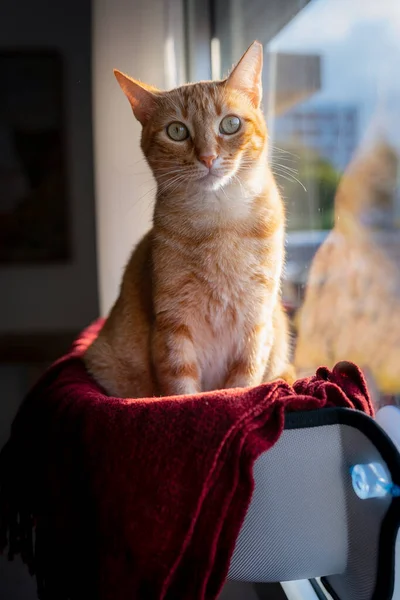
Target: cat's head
point(205, 134)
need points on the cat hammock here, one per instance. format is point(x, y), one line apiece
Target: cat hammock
point(108, 498)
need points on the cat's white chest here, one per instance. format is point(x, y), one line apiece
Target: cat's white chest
point(230, 305)
point(215, 358)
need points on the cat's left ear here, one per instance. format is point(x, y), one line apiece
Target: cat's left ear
point(246, 76)
point(141, 96)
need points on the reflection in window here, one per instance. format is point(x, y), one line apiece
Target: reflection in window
point(332, 94)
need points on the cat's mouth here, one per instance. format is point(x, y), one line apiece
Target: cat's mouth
point(213, 181)
point(210, 176)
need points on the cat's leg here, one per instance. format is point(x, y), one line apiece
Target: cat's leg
point(285, 371)
point(174, 359)
point(122, 370)
point(265, 355)
point(248, 367)
point(279, 364)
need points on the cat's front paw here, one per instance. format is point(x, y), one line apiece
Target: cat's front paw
point(240, 381)
point(181, 387)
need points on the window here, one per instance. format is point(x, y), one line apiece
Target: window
point(331, 98)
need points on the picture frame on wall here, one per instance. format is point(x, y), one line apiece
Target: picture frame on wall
point(34, 212)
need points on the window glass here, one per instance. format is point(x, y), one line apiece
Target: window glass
point(331, 98)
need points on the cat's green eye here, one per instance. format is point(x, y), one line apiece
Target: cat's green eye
point(177, 131)
point(230, 125)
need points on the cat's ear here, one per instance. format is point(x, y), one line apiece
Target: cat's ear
point(140, 95)
point(246, 75)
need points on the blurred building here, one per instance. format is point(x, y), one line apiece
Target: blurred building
point(331, 130)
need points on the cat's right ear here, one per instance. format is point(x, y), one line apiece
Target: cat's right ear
point(140, 96)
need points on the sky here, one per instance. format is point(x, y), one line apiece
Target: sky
point(359, 44)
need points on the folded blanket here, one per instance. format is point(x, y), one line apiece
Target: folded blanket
point(122, 499)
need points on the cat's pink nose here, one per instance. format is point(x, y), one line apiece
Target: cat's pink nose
point(208, 160)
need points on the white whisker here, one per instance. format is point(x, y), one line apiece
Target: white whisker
point(289, 177)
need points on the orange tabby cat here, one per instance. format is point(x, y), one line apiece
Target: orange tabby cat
point(199, 306)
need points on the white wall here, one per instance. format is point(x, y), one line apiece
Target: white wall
point(144, 39)
point(40, 298)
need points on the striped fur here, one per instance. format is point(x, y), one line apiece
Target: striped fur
point(199, 306)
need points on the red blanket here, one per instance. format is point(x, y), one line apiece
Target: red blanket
point(108, 498)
